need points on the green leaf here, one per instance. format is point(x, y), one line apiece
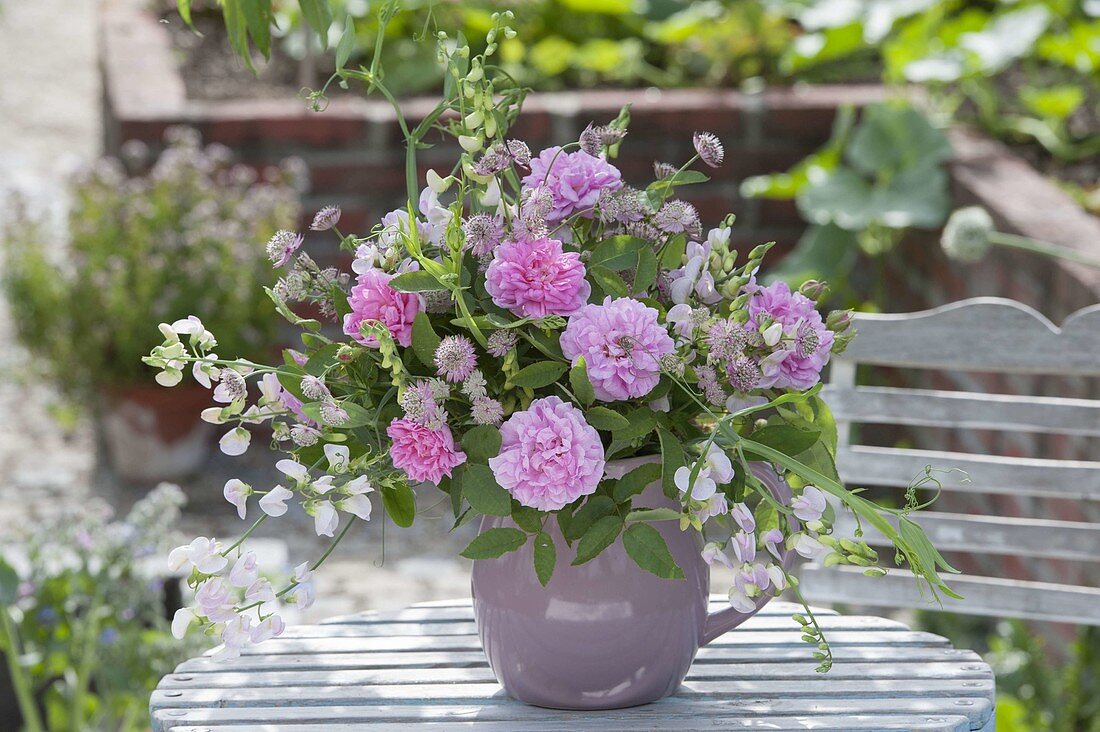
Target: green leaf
point(636, 481)
point(481, 443)
point(424, 339)
point(672, 458)
point(481, 489)
point(617, 253)
point(418, 281)
point(646, 273)
point(673, 252)
point(843, 198)
point(788, 440)
point(492, 543)
point(892, 137)
point(825, 253)
point(184, 8)
point(641, 421)
point(319, 17)
point(648, 549)
point(607, 281)
point(257, 15)
point(400, 504)
point(9, 586)
point(539, 374)
point(582, 387)
point(917, 196)
point(595, 508)
point(347, 42)
point(598, 537)
point(236, 28)
point(527, 518)
point(653, 514)
point(606, 419)
point(545, 557)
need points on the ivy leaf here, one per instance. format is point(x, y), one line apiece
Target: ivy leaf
point(417, 281)
point(481, 443)
point(598, 537)
point(539, 374)
point(636, 481)
point(424, 339)
point(582, 387)
point(400, 504)
point(648, 549)
point(493, 543)
point(606, 419)
point(545, 557)
point(481, 490)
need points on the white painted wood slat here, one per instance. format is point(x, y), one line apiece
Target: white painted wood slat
point(885, 678)
point(983, 595)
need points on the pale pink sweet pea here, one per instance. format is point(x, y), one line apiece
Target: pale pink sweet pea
point(260, 591)
point(372, 298)
point(423, 454)
point(202, 553)
point(772, 538)
point(535, 278)
point(810, 504)
point(549, 456)
point(742, 514)
point(274, 502)
point(743, 545)
point(236, 491)
point(246, 570)
point(303, 594)
point(235, 441)
point(712, 553)
point(215, 600)
point(621, 342)
point(268, 628)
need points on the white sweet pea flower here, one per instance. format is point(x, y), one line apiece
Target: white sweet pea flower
point(274, 503)
point(661, 405)
point(170, 336)
point(742, 514)
point(237, 635)
point(267, 629)
point(778, 577)
point(303, 593)
point(712, 553)
point(246, 570)
point(719, 464)
point(436, 183)
point(260, 591)
point(270, 389)
point(682, 319)
point(190, 325)
point(169, 376)
point(703, 487)
point(213, 415)
point(236, 491)
point(325, 519)
point(773, 334)
point(741, 601)
point(357, 505)
point(215, 600)
point(323, 484)
point(294, 470)
point(338, 457)
point(202, 553)
point(205, 371)
point(235, 442)
point(183, 619)
point(809, 547)
point(357, 486)
point(470, 143)
point(743, 546)
point(810, 504)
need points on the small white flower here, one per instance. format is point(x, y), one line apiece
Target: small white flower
point(235, 442)
point(772, 334)
point(274, 503)
point(268, 628)
point(245, 570)
point(202, 553)
point(810, 505)
point(236, 491)
point(357, 486)
point(169, 377)
point(323, 484)
point(778, 577)
point(325, 519)
point(260, 591)
point(712, 553)
point(293, 469)
point(358, 505)
point(170, 336)
point(183, 619)
point(187, 326)
point(338, 458)
point(213, 415)
point(703, 487)
point(682, 318)
point(741, 601)
point(437, 184)
point(270, 389)
point(809, 547)
point(205, 371)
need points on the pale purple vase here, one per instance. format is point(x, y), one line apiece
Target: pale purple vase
point(605, 634)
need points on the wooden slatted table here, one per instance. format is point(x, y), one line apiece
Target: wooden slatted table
point(424, 666)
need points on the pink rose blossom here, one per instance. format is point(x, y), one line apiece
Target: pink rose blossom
point(621, 343)
point(372, 298)
point(425, 455)
point(574, 179)
point(806, 342)
point(549, 456)
point(537, 278)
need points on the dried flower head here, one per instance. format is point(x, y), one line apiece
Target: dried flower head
point(455, 358)
point(326, 218)
point(281, 247)
point(709, 148)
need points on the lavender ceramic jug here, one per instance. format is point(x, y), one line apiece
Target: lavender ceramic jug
point(605, 634)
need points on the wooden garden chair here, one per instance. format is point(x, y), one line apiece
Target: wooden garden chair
point(973, 339)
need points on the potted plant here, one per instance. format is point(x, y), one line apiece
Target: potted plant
point(579, 366)
point(146, 239)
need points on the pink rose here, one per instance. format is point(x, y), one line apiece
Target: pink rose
point(425, 455)
point(537, 278)
point(372, 298)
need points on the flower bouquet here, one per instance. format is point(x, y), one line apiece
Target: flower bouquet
point(577, 363)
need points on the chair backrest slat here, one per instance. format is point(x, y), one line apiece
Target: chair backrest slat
point(986, 335)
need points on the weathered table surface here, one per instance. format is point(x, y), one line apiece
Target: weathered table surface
point(424, 665)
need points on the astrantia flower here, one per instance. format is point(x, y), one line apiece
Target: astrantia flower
point(501, 341)
point(676, 217)
point(744, 374)
point(281, 247)
point(623, 206)
point(486, 410)
point(794, 364)
point(425, 455)
point(483, 233)
point(313, 387)
point(537, 278)
point(326, 218)
point(726, 339)
point(663, 170)
point(372, 298)
point(549, 456)
point(595, 138)
point(233, 384)
point(455, 358)
point(622, 343)
point(709, 148)
point(574, 180)
point(333, 414)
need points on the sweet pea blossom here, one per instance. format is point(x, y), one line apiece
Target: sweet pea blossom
point(809, 547)
point(338, 457)
point(712, 552)
point(202, 553)
point(772, 538)
point(810, 504)
point(742, 514)
point(325, 518)
point(215, 600)
point(743, 545)
point(716, 470)
point(797, 330)
point(303, 593)
point(235, 441)
point(294, 470)
point(183, 619)
point(236, 491)
point(274, 502)
point(246, 570)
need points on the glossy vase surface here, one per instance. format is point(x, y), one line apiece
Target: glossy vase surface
point(605, 634)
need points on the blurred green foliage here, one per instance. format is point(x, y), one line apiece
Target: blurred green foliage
point(164, 239)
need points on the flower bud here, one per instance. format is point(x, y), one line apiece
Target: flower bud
point(966, 234)
point(814, 289)
point(839, 321)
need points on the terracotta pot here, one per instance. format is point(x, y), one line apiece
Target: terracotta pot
point(605, 634)
point(153, 433)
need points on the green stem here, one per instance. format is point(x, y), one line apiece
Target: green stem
point(1028, 244)
point(19, 677)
